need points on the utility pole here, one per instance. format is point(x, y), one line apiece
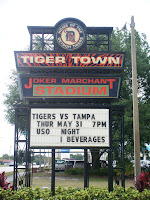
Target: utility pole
point(136, 133)
point(9, 152)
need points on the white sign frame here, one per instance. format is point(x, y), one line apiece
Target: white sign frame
point(69, 127)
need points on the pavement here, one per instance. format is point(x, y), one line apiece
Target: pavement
point(6, 169)
point(10, 169)
point(10, 178)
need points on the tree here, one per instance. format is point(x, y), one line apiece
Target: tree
point(96, 154)
point(121, 41)
point(5, 156)
point(78, 156)
point(39, 159)
point(12, 98)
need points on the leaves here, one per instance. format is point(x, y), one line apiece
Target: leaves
point(121, 41)
point(142, 182)
point(75, 194)
point(12, 98)
point(3, 183)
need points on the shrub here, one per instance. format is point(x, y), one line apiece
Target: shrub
point(129, 169)
point(74, 171)
point(91, 193)
point(80, 171)
point(142, 182)
point(3, 183)
point(99, 172)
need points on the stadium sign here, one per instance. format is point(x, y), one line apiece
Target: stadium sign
point(65, 87)
point(28, 60)
point(69, 128)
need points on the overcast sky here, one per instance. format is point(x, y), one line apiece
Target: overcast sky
point(16, 15)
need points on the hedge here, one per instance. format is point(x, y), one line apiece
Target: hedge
point(91, 193)
point(99, 172)
point(80, 171)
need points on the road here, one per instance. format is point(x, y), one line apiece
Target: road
point(6, 169)
point(11, 168)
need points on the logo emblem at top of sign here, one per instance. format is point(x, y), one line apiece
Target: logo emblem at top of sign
point(70, 35)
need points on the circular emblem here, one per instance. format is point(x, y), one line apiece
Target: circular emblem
point(70, 36)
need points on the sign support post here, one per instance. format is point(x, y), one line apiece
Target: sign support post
point(110, 159)
point(53, 172)
point(122, 151)
point(86, 175)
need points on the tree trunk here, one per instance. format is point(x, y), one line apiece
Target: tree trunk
point(96, 154)
point(95, 158)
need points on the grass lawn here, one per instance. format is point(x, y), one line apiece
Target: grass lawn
point(11, 173)
point(43, 180)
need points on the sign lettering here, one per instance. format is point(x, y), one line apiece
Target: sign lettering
point(69, 127)
point(56, 87)
point(26, 60)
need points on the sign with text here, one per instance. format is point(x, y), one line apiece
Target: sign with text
point(69, 127)
point(65, 87)
point(27, 60)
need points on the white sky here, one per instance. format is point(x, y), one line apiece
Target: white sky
point(16, 15)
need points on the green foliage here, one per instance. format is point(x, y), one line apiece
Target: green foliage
point(6, 156)
point(99, 172)
point(79, 171)
point(40, 158)
point(77, 156)
point(144, 118)
point(129, 170)
point(12, 98)
point(121, 41)
point(91, 193)
point(74, 171)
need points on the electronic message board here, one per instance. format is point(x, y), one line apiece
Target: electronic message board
point(34, 87)
point(29, 60)
point(69, 128)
